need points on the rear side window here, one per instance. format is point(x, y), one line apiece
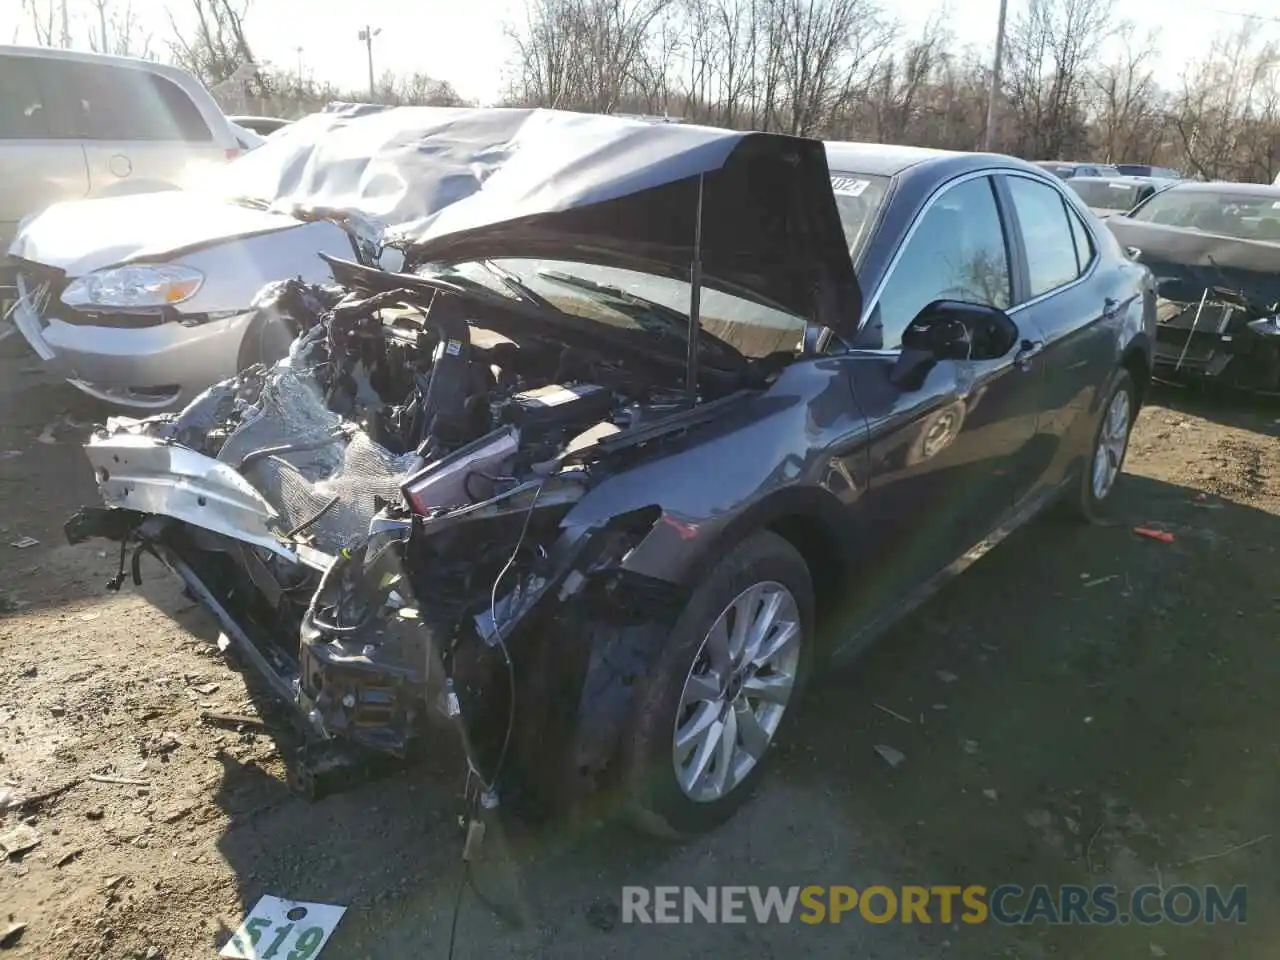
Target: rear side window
point(1084, 242)
point(1048, 234)
point(23, 112)
point(119, 103)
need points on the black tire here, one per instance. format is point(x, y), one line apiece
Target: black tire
point(654, 800)
point(1083, 504)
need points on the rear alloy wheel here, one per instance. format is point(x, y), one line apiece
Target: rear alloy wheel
point(732, 671)
point(1110, 444)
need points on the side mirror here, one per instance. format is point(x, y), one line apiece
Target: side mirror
point(952, 330)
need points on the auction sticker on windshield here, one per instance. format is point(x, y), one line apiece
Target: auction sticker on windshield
point(278, 929)
point(849, 186)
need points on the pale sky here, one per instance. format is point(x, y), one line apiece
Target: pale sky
point(463, 42)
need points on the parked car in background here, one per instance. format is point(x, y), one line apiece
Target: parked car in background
point(76, 125)
point(1147, 170)
point(600, 535)
point(1107, 196)
point(1065, 170)
point(144, 300)
point(262, 126)
point(1214, 249)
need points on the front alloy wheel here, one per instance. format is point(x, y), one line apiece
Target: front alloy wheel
point(737, 691)
point(730, 673)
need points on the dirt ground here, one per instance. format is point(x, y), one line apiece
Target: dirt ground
point(1082, 706)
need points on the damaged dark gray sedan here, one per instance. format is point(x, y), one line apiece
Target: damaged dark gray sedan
point(625, 452)
point(1214, 249)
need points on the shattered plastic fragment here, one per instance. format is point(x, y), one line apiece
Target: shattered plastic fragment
point(890, 756)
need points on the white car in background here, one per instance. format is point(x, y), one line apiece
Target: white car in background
point(143, 301)
point(75, 125)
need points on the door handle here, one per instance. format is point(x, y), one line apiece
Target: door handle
point(1028, 351)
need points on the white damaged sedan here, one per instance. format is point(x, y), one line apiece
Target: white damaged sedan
point(143, 301)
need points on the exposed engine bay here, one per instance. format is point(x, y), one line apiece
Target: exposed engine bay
point(373, 516)
point(1220, 333)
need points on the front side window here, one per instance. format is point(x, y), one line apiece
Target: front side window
point(23, 112)
point(1046, 234)
point(1084, 243)
point(957, 252)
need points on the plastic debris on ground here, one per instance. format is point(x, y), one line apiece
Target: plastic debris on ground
point(23, 542)
point(1152, 534)
point(276, 927)
point(19, 840)
point(890, 756)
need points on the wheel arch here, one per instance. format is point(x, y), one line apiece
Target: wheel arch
point(1136, 359)
point(812, 519)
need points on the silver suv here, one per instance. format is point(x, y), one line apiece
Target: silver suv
point(76, 124)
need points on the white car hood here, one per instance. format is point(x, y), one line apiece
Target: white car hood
point(79, 236)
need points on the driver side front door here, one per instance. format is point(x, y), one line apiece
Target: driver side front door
point(944, 455)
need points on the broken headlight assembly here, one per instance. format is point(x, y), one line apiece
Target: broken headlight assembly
point(142, 286)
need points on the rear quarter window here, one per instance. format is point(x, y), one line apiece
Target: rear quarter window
point(121, 103)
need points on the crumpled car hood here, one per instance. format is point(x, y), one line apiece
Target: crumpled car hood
point(448, 183)
point(1197, 260)
point(80, 236)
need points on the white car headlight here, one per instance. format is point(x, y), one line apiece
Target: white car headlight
point(143, 285)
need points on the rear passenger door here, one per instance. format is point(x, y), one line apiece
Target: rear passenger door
point(140, 130)
point(41, 162)
point(1069, 298)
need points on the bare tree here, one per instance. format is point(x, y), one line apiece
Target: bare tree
point(582, 54)
point(899, 91)
point(1051, 45)
point(1226, 112)
point(216, 49)
point(118, 31)
point(1130, 119)
point(824, 49)
point(44, 20)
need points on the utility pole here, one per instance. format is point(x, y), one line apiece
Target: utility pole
point(993, 94)
point(299, 68)
point(367, 35)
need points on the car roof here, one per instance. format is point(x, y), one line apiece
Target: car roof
point(1229, 188)
point(82, 56)
point(1126, 178)
point(891, 160)
point(1073, 163)
point(879, 159)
